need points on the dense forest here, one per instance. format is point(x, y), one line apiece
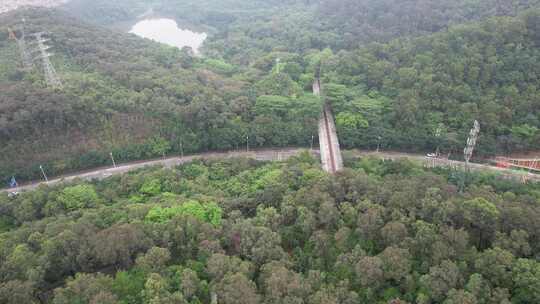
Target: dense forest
point(134, 98)
point(138, 99)
point(402, 82)
point(439, 83)
point(245, 232)
point(246, 30)
point(406, 75)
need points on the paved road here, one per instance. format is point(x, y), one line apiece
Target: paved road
point(266, 155)
point(435, 162)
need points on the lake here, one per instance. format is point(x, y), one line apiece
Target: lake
point(167, 31)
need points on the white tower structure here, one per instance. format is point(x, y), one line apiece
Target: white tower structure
point(471, 142)
point(50, 73)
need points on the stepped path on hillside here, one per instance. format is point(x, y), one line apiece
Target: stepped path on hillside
point(269, 155)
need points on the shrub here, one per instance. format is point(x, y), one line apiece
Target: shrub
point(210, 213)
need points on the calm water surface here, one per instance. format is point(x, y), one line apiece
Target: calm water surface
point(167, 31)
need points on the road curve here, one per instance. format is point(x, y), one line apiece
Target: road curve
point(268, 155)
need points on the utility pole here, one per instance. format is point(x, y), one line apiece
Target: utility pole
point(312, 138)
point(247, 143)
point(43, 172)
point(181, 149)
point(50, 73)
point(112, 158)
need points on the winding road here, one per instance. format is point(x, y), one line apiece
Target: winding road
point(267, 155)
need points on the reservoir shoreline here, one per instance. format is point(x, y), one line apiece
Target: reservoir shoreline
point(168, 31)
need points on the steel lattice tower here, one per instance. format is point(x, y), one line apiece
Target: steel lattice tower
point(50, 73)
point(21, 43)
point(471, 142)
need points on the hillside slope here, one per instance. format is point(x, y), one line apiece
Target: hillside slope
point(242, 31)
point(122, 94)
point(429, 90)
point(139, 99)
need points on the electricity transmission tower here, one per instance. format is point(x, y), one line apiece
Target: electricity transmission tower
point(51, 77)
point(21, 43)
point(50, 73)
point(468, 151)
point(471, 142)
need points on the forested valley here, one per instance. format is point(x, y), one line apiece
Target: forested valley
point(409, 76)
point(245, 232)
